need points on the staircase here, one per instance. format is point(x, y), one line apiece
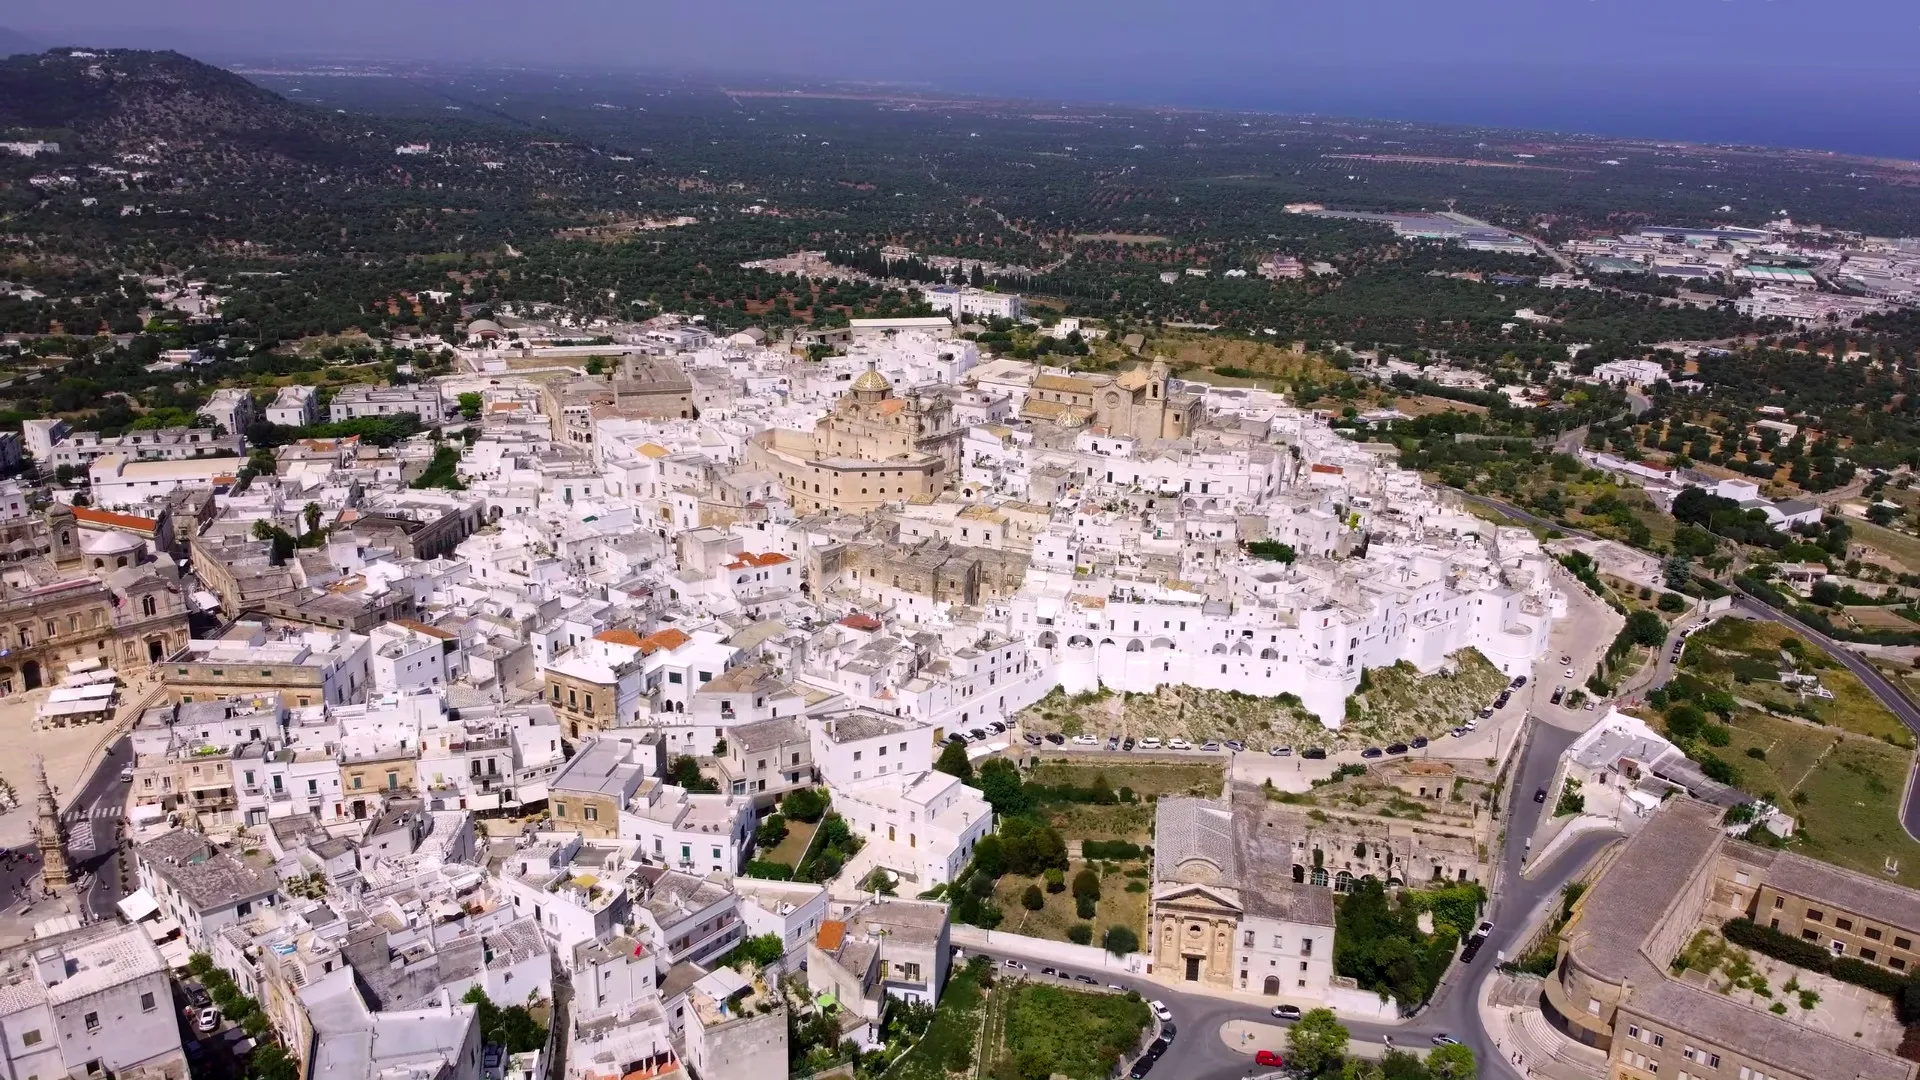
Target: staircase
point(1548, 1053)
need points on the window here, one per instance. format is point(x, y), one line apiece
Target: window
point(1810, 935)
point(1815, 914)
point(146, 1001)
point(93, 1021)
point(1633, 1031)
point(559, 809)
point(1873, 933)
point(1869, 954)
point(593, 813)
point(1902, 943)
point(1659, 1039)
point(1896, 963)
point(1843, 924)
point(1779, 902)
point(31, 1038)
point(1306, 946)
point(1248, 940)
point(673, 677)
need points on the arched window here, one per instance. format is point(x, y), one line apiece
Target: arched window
point(147, 606)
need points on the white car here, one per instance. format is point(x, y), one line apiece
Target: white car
point(1179, 744)
point(1160, 1011)
point(1086, 740)
point(1150, 743)
point(1569, 673)
point(126, 775)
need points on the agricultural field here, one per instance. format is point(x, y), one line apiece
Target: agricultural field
point(1903, 548)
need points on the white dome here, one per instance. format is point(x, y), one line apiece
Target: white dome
point(110, 543)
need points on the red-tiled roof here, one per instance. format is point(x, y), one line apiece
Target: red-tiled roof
point(88, 516)
point(668, 639)
point(620, 637)
point(857, 621)
point(832, 934)
point(748, 558)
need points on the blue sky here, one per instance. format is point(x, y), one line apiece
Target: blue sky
point(1838, 74)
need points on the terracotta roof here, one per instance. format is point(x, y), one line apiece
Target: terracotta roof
point(668, 639)
point(621, 637)
point(1334, 469)
point(422, 628)
point(86, 515)
point(857, 621)
point(1065, 383)
point(748, 558)
point(654, 450)
point(832, 934)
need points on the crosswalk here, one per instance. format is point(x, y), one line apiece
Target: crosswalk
point(81, 839)
point(96, 813)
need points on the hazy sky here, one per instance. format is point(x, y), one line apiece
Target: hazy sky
point(1739, 68)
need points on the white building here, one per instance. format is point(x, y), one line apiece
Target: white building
point(959, 300)
point(90, 1002)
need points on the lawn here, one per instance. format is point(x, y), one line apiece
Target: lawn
point(793, 846)
point(1128, 820)
point(947, 1047)
point(1116, 907)
point(1898, 545)
point(1122, 821)
point(1851, 812)
point(1050, 1030)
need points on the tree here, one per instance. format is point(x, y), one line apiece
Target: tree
point(1033, 899)
point(685, 772)
point(999, 783)
point(1645, 628)
point(878, 881)
point(469, 406)
point(1120, 940)
point(953, 761)
point(759, 951)
point(1451, 1062)
point(804, 804)
point(989, 857)
point(311, 512)
point(512, 1027)
point(1080, 933)
point(1317, 1042)
point(1086, 885)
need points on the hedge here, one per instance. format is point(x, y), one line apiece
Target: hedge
point(1109, 849)
point(1849, 969)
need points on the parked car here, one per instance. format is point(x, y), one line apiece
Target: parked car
point(1127, 743)
point(1472, 724)
point(1397, 748)
point(958, 737)
point(1483, 929)
point(1150, 743)
point(1501, 701)
point(997, 727)
point(1589, 706)
point(1566, 659)
point(1286, 1012)
point(1014, 964)
point(1371, 752)
point(1236, 745)
point(1444, 1039)
point(1316, 753)
point(1486, 712)
point(1210, 746)
point(1116, 988)
point(1085, 740)
point(1280, 751)
point(1056, 738)
point(977, 734)
point(1568, 673)
point(1142, 1067)
point(1519, 681)
point(1167, 1032)
point(1267, 1057)
point(208, 1019)
point(1540, 796)
point(1179, 744)
point(1065, 974)
point(1558, 693)
point(1032, 739)
point(1160, 1011)
point(1113, 742)
point(1419, 742)
point(1458, 733)
point(1088, 979)
point(1048, 971)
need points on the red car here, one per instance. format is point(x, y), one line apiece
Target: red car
point(1268, 1057)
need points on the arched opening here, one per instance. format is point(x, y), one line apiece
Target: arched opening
point(99, 564)
point(1136, 645)
point(121, 561)
point(1342, 882)
point(148, 607)
point(1320, 876)
point(1219, 649)
point(1271, 987)
point(1162, 643)
point(1048, 639)
point(1106, 641)
point(1080, 639)
point(1299, 874)
point(1243, 649)
point(30, 674)
point(156, 650)
point(1269, 654)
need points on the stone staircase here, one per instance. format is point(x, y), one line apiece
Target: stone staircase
point(1548, 1053)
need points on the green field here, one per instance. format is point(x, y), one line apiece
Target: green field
point(947, 1047)
point(1051, 1031)
point(1745, 658)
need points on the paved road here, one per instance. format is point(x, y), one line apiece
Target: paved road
point(1199, 1053)
point(1896, 702)
point(92, 823)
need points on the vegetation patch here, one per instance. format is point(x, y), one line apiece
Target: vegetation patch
point(1051, 1031)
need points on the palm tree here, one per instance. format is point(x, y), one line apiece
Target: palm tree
point(312, 514)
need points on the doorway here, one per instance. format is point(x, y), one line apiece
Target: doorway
point(1193, 968)
point(30, 674)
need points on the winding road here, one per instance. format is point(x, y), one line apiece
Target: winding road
point(1199, 1053)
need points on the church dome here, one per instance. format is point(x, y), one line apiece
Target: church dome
point(872, 382)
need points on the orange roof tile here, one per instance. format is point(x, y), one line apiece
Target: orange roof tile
point(423, 628)
point(857, 621)
point(832, 934)
point(87, 515)
point(621, 636)
point(668, 639)
point(748, 558)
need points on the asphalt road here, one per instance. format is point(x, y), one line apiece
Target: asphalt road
point(1896, 702)
point(1198, 1053)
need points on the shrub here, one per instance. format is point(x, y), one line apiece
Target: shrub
point(1080, 933)
point(804, 804)
point(1084, 907)
point(1033, 899)
point(769, 870)
point(1770, 942)
point(1056, 879)
point(1086, 885)
point(1109, 849)
point(1120, 940)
